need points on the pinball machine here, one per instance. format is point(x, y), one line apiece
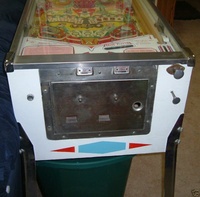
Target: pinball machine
point(97, 78)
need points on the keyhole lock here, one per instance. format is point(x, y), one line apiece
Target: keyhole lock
point(175, 100)
point(176, 70)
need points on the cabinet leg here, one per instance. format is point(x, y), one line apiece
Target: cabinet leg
point(170, 158)
point(30, 187)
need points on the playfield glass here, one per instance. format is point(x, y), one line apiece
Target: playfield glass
point(92, 26)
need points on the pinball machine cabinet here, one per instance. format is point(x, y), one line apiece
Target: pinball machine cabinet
point(97, 78)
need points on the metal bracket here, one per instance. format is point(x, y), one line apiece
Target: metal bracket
point(191, 57)
point(8, 64)
point(160, 26)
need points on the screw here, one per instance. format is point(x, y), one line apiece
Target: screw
point(45, 90)
point(21, 151)
point(80, 98)
point(115, 97)
point(180, 129)
point(178, 141)
point(49, 128)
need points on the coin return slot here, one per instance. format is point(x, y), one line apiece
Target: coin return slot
point(71, 119)
point(104, 118)
point(137, 106)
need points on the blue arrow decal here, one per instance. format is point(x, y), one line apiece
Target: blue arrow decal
point(102, 147)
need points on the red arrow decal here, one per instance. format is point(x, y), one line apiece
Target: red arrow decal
point(137, 145)
point(69, 150)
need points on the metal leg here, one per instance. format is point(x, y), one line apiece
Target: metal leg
point(30, 186)
point(170, 158)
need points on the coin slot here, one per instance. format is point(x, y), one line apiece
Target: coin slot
point(84, 71)
point(121, 70)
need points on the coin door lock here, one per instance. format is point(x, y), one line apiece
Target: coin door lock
point(177, 70)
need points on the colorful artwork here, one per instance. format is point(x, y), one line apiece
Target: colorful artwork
point(87, 26)
point(88, 22)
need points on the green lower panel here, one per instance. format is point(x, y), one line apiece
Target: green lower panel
point(96, 177)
